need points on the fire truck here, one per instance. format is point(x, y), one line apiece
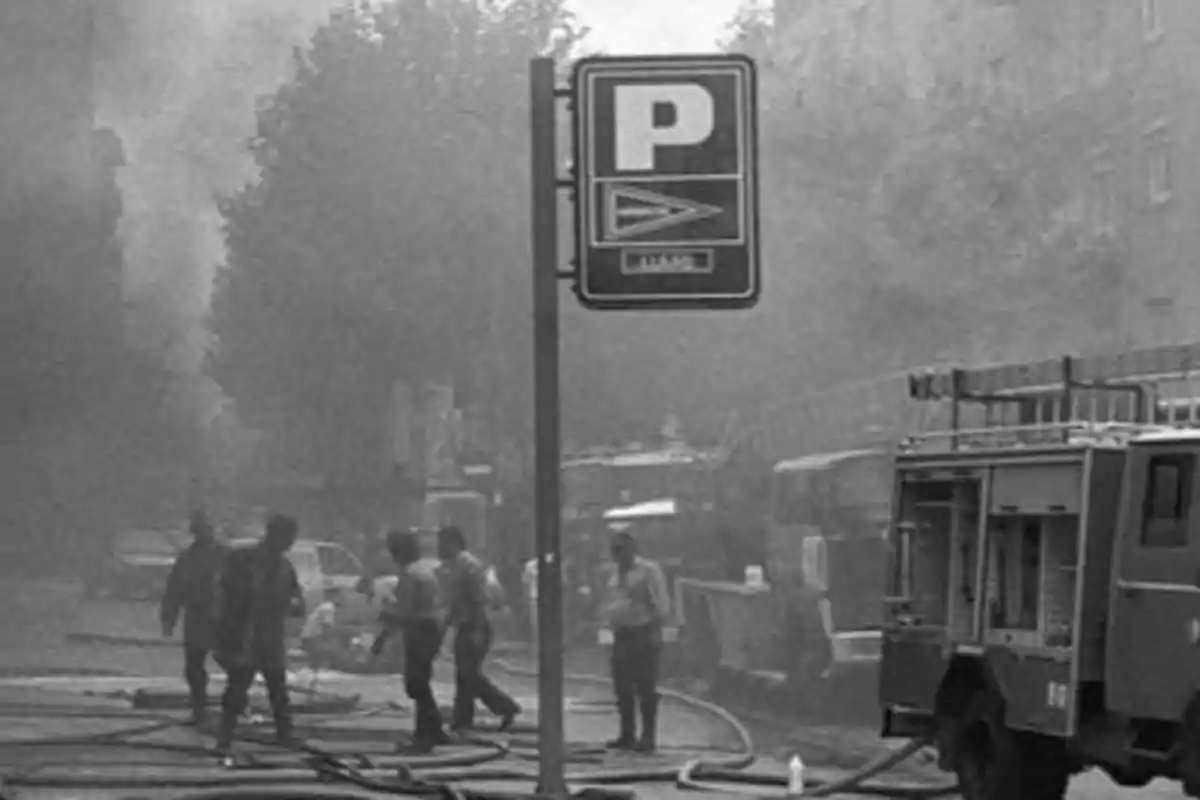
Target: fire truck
point(675, 499)
point(467, 503)
point(1042, 608)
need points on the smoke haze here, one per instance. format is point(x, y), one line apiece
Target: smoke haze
point(178, 80)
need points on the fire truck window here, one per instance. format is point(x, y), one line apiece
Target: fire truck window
point(862, 489)
point(1167, 501)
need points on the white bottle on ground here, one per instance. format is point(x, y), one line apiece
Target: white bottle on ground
point(795, 786)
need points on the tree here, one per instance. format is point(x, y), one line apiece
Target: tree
point(387, 225)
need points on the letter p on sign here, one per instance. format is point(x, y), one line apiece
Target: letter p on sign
point(686, 111)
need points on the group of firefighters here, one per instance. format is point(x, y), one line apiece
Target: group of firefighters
point(235, 605)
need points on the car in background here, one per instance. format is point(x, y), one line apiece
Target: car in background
point(322, 565)
point(137, 564)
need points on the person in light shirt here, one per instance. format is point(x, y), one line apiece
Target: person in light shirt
point(415, 612)
point(469, 601)
point(636, 607)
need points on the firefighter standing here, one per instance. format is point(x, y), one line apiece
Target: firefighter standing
point(259, 591)
point(192, 590)
point(468, 615)
point(415, 612)
point(636, 609)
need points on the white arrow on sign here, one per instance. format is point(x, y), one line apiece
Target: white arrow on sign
point(632, 212)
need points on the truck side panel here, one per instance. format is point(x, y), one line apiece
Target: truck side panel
point(1108, 467)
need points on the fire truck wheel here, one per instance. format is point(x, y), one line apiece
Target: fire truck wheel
point(994, 762)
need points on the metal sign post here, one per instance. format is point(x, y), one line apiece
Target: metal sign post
point(666, 212)
point(547, 456)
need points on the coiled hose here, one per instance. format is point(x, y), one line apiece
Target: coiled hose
point(433, 776)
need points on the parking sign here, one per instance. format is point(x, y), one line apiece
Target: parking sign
point(666, 182)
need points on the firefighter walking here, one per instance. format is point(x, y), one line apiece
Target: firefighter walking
point(467, 604)
point(636, 608)
point(192, 590)
point(414, 611)
point(259, 592)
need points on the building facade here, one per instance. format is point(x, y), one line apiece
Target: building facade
point(59, 202)
point(1113, 82)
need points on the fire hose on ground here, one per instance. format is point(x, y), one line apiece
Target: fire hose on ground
point(440, 775)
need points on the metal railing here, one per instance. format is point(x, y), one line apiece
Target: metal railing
point(1061, 434)
point(1068, 401)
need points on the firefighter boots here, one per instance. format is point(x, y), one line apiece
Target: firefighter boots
point(225, 733)
point(648, 741)
point(199, 716)
point(626, 707)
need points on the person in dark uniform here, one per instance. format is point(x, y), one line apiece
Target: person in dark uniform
point(415, 612)
point(259, 591)
point(192, 590)
point(636, 609)
point(468, 602)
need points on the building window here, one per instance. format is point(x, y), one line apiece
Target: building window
point(1167, 501)
point(1151, 20)
point(1104, 201)
point(1158, 154)
point(993, 77)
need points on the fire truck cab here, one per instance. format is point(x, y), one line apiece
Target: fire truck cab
point(1042, 608)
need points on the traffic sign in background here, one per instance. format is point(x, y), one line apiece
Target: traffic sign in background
point(667, 192)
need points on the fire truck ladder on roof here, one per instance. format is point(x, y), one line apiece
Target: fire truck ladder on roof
point(1062, 401)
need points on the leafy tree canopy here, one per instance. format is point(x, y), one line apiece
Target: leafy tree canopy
point(389, 225)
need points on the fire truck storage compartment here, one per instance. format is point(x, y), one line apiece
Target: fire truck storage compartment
point(1037, 489)
point(938, 512)
point(1031, 589)
point(1033, 555)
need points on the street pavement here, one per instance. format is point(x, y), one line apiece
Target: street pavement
point(42, 668)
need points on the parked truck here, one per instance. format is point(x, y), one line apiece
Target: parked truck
point(817, 609)
point(1042, 610)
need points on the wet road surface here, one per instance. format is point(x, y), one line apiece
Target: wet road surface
point(43, 673)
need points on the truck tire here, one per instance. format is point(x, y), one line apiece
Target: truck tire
point(994, 762)
point(1189, 749)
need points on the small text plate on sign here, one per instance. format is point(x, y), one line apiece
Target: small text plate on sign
point(667, 192)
